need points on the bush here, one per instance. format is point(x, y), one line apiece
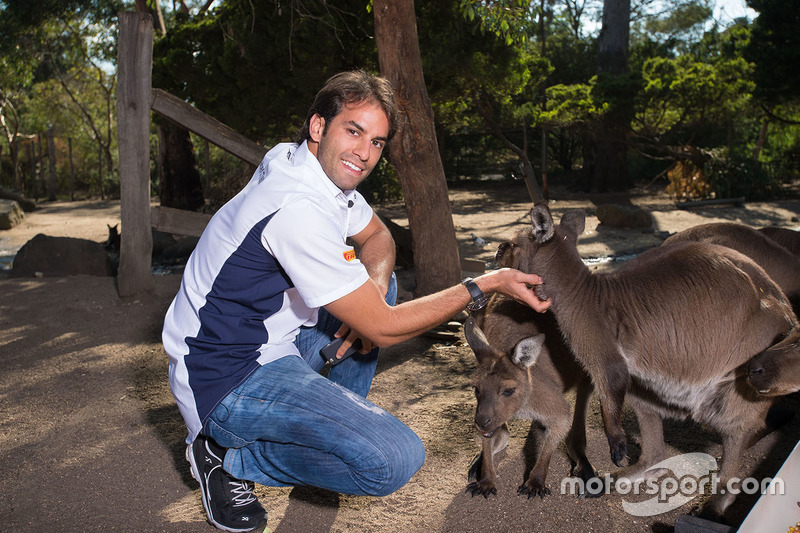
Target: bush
point(732, 176)
point(382, 185)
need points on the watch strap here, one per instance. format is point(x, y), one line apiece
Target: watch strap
point(479, 299)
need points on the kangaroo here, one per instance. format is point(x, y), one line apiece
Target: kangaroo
point(523, 372)
point(777, 261)
point(788, 238)
point(776, 371)
point(673, 329)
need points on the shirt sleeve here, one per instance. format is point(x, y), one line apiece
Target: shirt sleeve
point(311, 247)
point(360, 215)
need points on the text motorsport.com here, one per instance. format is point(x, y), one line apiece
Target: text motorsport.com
point(689, 475)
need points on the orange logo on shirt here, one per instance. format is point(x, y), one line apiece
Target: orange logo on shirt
point(349, 255)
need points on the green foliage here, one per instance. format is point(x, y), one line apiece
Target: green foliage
point(256, 66)
point(508, 20)
point(569, 106)
point(683, 93)
point(382, 185)
point(733, 176)
point(676, 27)
point(53, 73)
point(775, 50)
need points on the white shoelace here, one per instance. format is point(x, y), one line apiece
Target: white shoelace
point(243, 493)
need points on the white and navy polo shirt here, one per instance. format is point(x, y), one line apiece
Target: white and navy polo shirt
point(266, 262)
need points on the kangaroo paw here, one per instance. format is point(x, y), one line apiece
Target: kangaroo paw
point(534, 489)
point(485, 489)
point(619, 452)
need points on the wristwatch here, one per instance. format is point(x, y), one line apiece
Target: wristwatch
point(479, 300)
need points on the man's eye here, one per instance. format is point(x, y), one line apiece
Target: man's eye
point(378, 144)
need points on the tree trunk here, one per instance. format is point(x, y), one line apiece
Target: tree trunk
point(51, 159)
point(414, 151)
point(180, 186)
point(610, 136)
point(762, 138)
point(613, 41)
point(15, 166)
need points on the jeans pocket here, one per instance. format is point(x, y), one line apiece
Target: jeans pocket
point(222, 427)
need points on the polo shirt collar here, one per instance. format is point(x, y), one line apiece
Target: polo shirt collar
point(321, 181)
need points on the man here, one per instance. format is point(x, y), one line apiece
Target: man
point(273, 280)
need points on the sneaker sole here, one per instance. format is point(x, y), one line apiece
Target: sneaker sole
point(206, 506)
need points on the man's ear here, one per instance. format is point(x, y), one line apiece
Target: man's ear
point(315, 127)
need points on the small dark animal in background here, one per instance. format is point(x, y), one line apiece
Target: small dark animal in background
point(112, 247)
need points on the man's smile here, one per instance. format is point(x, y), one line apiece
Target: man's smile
point(352, 166)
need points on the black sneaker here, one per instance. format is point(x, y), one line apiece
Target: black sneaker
point(229, 502)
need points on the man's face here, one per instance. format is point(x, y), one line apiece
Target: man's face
point(352, 144)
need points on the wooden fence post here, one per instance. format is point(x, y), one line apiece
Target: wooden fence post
point(134, 76)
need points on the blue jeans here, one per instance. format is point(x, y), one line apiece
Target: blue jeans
point(287, 425)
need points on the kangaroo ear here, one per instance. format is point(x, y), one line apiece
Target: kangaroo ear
point(527, 351)
point(575, 221)
point(477, 341)
point(542, 222)
point(501, 256)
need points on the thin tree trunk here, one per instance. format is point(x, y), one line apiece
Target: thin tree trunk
point(31, 149)
point(51, 157)
point(38, 168)
point(543, 40)
point(414, 151)
point(762, 138)
point(71, 173)
point(15, 165)
point(100, 170)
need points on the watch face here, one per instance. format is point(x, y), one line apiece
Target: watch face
point(478, 303)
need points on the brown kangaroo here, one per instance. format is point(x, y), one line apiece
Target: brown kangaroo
point(776, 371)
point(673, 329)
point(523, 371)
point(788, 238)
point(777, 261)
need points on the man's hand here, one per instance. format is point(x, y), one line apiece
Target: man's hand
point(350, 337)
point(515, 284)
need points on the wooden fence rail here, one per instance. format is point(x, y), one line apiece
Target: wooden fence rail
point(207, 127)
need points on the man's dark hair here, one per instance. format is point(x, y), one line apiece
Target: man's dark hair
point(351, 88)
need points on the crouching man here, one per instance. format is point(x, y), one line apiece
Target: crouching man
point(273, 280)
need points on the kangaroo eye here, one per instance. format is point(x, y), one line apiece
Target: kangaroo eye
point(509, 392)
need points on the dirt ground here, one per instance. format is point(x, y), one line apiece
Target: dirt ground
point(91, 440)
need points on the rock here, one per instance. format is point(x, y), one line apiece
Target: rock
point(26, 204)
point(10, 214)
point(162, 241)
point(45, 256)
point(181, 249)
point(624, 216)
